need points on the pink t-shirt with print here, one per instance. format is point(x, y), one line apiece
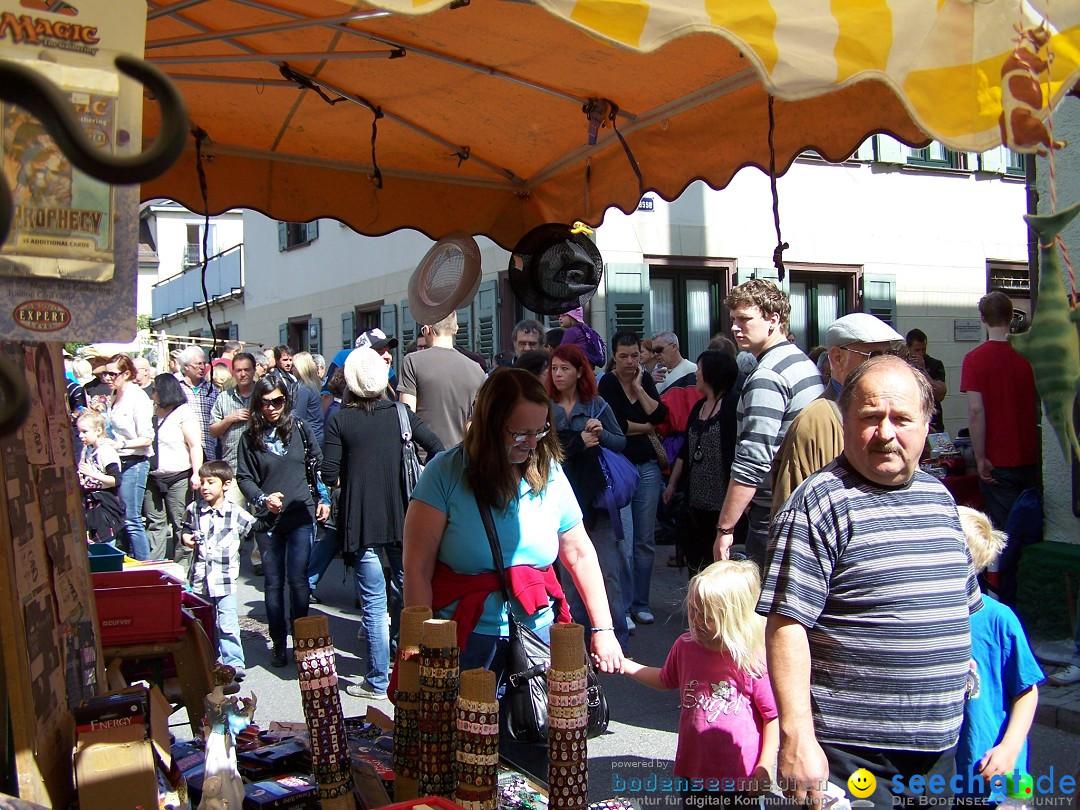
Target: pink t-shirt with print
point(723, 711)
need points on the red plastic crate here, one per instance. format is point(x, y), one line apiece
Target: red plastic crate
point(204, 612)
point(137, 607)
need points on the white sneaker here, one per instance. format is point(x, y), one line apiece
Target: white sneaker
point(1066, 677)
point(630, 624)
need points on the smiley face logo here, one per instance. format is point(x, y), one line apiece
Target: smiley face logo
point(861, 783)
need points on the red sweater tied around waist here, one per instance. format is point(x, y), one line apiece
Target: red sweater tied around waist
point(532, 587)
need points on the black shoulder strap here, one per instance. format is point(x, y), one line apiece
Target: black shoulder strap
point(406, 427)
point(496, 553)
point(300, 426)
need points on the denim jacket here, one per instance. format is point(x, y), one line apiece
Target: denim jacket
point(612, 438)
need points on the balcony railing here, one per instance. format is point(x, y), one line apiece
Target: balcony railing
point(224, 276)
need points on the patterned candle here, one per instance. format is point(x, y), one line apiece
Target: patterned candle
point(316, 667)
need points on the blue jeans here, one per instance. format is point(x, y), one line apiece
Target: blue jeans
point(322, 554)
point(375, 587)
point(285, 556)
point(230, 650)
point(639, 522)
point(998, 498)
point(613, 555)
point(757, 535)
point(132, 490)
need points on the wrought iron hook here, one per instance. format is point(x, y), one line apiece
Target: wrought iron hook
point(34, 92)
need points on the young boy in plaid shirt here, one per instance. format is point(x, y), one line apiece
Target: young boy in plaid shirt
point(214, 527)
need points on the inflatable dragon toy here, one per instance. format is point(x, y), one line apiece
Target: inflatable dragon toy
point(1051, 344)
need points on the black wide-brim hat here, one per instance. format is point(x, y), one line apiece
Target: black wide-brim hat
point(553, 270)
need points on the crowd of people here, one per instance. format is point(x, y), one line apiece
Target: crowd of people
point(834, 612)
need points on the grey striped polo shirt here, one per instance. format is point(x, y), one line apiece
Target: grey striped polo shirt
point(782, 384)
point(882, 579)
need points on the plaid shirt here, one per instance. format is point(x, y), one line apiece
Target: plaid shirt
point(217, 545)
point(202, 398)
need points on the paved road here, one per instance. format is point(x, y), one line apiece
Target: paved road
point(641, 741)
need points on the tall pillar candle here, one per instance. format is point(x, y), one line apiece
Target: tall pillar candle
point(477, 741)
point(316, 668)
point(568, 720)
point(438, 707)
point(407, 724)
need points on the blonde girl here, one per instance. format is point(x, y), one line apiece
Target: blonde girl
point(99, 475)
point(728, 731)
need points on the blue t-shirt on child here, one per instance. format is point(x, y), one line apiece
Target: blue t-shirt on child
point(528, 531)
point(1004, 668)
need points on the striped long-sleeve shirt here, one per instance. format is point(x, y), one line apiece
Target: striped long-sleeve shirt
point(881, 578)
point(784, 382)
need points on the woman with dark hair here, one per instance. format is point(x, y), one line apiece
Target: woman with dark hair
point(633, 398)
point(705, 458)
point(179, 455)
point(534, 361)
point(363, 452)
point(509, 461)
point(130, 418)
point(584, 422)
point(273, 476)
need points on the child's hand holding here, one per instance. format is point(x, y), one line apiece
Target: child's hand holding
point(759, 783)
point(998, 761)
point(631, 667)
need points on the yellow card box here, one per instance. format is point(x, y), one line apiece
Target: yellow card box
point(121, 759)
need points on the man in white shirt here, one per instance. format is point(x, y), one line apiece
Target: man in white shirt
point(666, 344)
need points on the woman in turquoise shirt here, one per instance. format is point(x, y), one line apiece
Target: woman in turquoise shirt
point(510, 460)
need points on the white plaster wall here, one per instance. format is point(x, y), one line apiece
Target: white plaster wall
point(1061, 524)
point(170, 225)
point(335, 272)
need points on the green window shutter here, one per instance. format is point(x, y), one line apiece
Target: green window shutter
point(743, 275)
point(283, 334)
point(408, 327)
point(388, 319)
point(889, 150)
point(628, 299)
point(463, 338)
point(865, 150)
point(485, 337)
point(348, 328)
point(282, 236)
point(312, 231)
point(234, 331)
point(315, 335)
point(879, 296)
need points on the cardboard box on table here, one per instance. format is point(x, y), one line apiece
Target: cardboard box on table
point(118, 748)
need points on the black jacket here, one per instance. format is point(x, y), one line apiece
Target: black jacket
point(262, 473)
point(363, 451)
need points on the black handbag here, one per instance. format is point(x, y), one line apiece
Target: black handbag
point(523, 708)
point(311, 463)
point(410, 461)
